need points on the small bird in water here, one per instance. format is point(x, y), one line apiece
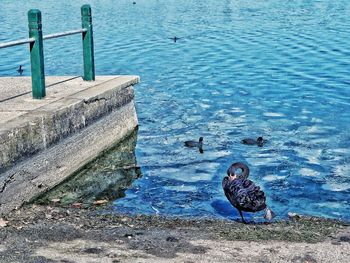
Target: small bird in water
point(242, 193)
point(20, 70)
point(198, 144)
point(175, 39)
point(259, 141)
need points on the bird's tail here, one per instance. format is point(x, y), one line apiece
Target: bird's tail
point(269, 214)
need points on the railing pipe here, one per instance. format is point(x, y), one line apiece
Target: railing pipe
point(88, 43)
point(67, 33)
point(36, 54)
point(17, 42)
point(35, 41)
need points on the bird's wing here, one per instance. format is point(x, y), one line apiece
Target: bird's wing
point(243, 193)
point(232, 189)
point(254, 197)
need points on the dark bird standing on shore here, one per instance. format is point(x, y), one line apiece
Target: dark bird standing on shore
point(20, 70)
point(242, 193)
point(198, 144)
point(259, 141)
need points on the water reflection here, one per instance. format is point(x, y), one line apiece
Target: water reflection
point(106, 178)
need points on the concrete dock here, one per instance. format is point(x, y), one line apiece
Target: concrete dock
point(42, 142)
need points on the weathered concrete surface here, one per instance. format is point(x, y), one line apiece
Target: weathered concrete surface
point(84, 117)
point(27, 125)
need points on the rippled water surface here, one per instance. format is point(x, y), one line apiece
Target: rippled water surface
point(271, 68)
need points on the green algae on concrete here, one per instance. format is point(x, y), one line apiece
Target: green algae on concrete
point(105, 178)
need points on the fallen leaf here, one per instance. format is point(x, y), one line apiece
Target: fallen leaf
point(3, 222)
point(100, 202)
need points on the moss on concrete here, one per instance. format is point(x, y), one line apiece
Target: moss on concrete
point(107, 177)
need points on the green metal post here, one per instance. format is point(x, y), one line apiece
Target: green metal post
point(36, 54)
point(88, 43)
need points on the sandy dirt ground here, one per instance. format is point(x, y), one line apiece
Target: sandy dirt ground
point(54, 234)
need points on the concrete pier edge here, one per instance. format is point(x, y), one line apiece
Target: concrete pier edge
point(43, 145)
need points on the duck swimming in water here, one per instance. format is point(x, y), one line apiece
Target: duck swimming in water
point(20, 70)
point(259, 141)
point(242, 193)
point(198, 144)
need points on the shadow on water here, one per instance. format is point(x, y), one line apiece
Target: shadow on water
point(105, 178)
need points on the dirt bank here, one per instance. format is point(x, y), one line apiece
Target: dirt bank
point(54, 234)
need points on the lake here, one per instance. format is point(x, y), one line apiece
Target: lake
point(277, 69)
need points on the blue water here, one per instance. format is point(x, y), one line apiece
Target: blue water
point(271, 68)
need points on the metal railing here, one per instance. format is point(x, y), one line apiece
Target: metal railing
point(35, 41)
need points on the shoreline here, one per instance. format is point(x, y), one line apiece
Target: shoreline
point(53, 234)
